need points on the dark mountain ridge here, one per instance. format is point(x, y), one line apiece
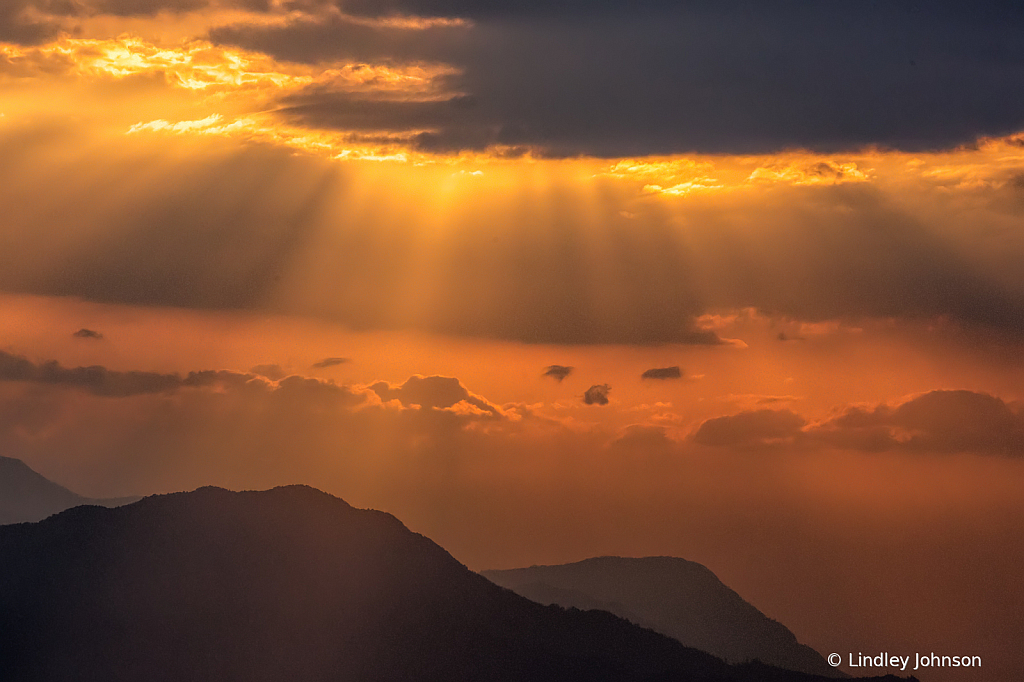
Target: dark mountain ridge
point(28, 496)
point(293, 584)
point(682, 599)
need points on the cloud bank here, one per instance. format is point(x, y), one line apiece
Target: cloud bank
point(945, 421)
point(616, 79)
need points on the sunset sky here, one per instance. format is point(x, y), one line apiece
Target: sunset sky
point(737, 282)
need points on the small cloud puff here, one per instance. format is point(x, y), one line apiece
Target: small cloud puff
point(557, 372)
point(597, 394)
point(330, 362)
point(663, 373)
point(434, 392)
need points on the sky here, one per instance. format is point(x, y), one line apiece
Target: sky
point(737, 282)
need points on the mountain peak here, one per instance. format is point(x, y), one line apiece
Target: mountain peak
point(676, 597)
point(294, 491)
point(292, 583)
point(27, 496)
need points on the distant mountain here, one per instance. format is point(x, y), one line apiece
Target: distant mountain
point(678, 598)
point(28, 496)
point(293, 584)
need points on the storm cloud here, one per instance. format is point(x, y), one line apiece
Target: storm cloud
point(18, 25)
point(314, 39)
point(611, 79)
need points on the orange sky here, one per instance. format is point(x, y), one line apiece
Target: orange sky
point(844, 444)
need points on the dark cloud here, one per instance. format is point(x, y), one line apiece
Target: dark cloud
point(130, 8)
point(219, 377)
point(663, 373)
point(15, 27)
point(272, 372)
point(479, 9)
point(100, 381)
point(755, 428)
point(87, 334)
point(21, 22)
point(352, 111)
point(25, 20)
point(983, 11)
point(597, 394)
point(316, 391)
point(330, 362)
point(333, 37)
point(309, 390)
point(665, 78)
point(654, 77)
point(939, 421)
point(557, 372)
point(95, 379)
point(30, 22)
point(434, 392)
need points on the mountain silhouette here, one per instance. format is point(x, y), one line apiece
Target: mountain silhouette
point(28, 496)
point(293, 584)
point(678, 598)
